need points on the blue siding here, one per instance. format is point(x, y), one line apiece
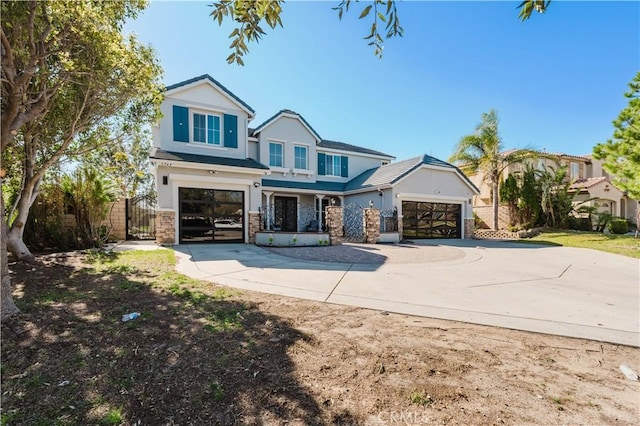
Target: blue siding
point(180, 124)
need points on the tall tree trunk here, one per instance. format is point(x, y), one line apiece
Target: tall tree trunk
point(8, 308)
point(14, 241)
point(494, 189)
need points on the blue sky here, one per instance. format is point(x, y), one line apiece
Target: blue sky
point(557, 80)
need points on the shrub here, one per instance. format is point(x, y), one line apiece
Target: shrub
point(580, 224)
point(618, 226)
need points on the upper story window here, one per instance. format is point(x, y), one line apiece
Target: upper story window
point(384, 163)
point(574, 171)
point(203, 128)
point(333, 165)
point(275, 154)
point(300, 157)
point(206, 128)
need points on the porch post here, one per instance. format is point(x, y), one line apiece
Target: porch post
point(319, 197)
point(267, 214)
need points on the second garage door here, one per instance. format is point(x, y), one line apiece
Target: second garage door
point(431, 220)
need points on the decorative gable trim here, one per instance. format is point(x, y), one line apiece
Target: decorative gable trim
point(289, 114)
point(207, 79)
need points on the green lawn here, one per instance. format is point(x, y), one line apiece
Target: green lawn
point(626, 245)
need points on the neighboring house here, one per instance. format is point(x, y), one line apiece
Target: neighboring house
point(589, 180)
point(219, 180)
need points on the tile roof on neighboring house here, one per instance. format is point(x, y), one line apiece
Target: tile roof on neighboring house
point(587, 183)
point(550, 154)
point(248, 163)
point(214, 81)
point(391, 173)
point(256, 131)
point(351, 148)
point(317, 186)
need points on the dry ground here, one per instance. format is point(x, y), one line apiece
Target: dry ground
point(207, 354)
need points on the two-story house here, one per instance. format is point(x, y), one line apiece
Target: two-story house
point(589, 182)
point(219, 180)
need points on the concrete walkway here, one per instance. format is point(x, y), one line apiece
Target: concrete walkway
point(557, 290)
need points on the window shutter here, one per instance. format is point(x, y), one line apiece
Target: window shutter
point(180, 124)
point(321, 164)
point(230, 131)
point(344, 162)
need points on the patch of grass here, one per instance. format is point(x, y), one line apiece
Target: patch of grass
point(224, 320)
point(421, 398)
point(625, 245)
point(113, 417)
point(216, 390)
point(131, 286)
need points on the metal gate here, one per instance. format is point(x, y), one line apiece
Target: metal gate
point(353, 223)
point(141, 217)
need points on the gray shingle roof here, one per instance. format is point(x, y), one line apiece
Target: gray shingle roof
point(207, 159)
point(255, 131)
point(392, 172)
point(214, 81)
point(314, 186)
point(351, 148)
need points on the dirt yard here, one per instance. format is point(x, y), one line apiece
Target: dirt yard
point(206, 354)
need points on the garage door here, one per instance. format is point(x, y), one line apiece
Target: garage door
point(211, 215)
point(430, 220)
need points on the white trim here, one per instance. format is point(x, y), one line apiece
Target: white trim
point(192, 130)
point(207, 108)
point(430, 197)
point(442, 169)
point(302, 191)
point(179, 177)
point(205, 80)
point(347, 153)
point(203, 166)
point(288, 115)
point(276, 142)
point(306, 146)
point(164, 209)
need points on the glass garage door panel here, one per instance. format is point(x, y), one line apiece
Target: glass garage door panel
point(210, 215)
point(431, 220)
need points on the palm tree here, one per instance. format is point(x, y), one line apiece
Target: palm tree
point(481, 152)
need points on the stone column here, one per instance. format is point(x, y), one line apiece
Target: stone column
point(254, 226)
point(400, 230)
point(469, 228)
point(165, 227)
point(371, 225)
point(334, 221)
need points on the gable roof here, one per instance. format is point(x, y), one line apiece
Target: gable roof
point(207, 77)
point(393, 172)
point(351, 148)
point(248, 163)
point(282, 112)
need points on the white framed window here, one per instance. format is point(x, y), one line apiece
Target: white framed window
point(575, 171)
point(276, 158)
point(206, 128)
point(333, 166)
point(300, 154)
point(384, 163)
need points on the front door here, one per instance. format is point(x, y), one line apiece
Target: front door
point(286, 214)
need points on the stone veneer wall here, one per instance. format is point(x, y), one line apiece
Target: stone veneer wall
point(333, 220)
point(400, 229)
point(469, 228)
point(117, 220)
point(485, 213)
point(254, 226)
point(371, 225)
point(165, 227)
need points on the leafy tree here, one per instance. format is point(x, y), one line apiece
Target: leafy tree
point(529, 204)
point(621, 153)
point(482, 152)
point(250, 14)
point(98, 83)
point(556, 197)
point(510, 194)
point(68, 74)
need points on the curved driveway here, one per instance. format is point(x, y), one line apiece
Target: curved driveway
point(558, 290)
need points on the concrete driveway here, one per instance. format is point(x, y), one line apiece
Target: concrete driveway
point(557, 290)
